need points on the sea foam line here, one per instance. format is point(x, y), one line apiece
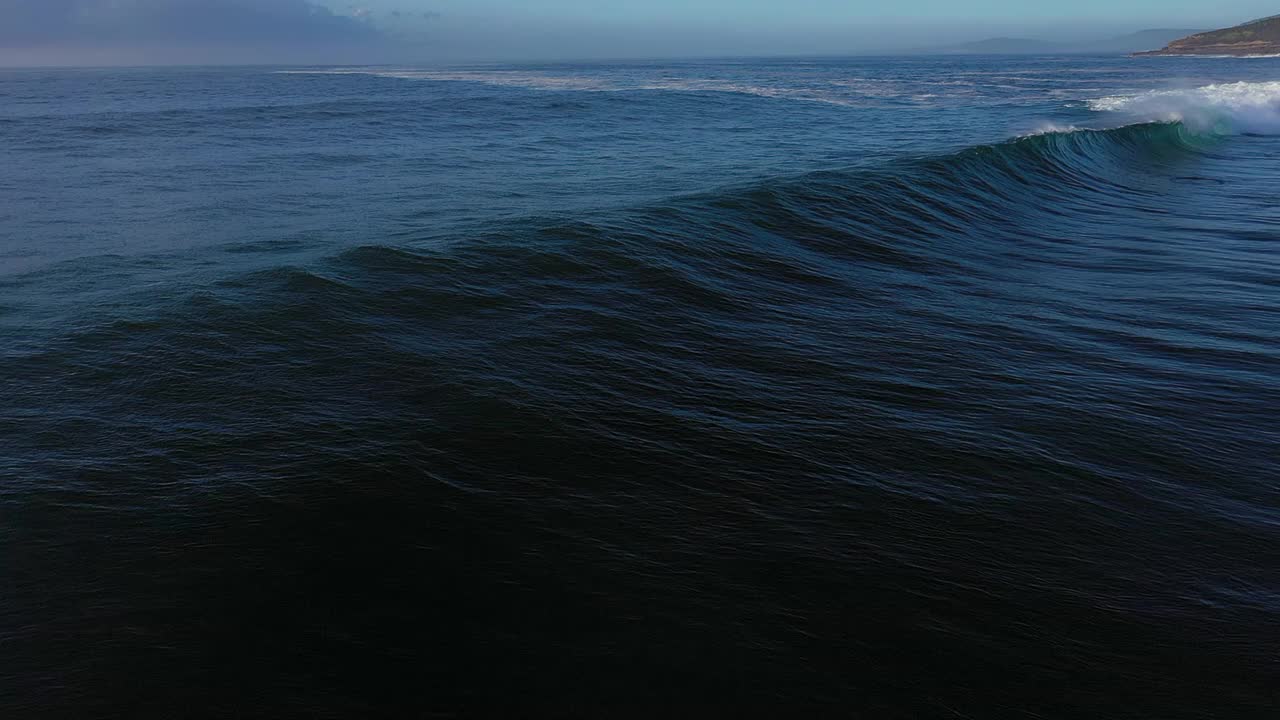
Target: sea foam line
point(834, 93)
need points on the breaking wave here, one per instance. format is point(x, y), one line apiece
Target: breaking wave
point(1231, 108)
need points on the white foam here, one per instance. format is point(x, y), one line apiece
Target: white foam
point(1050, 128)
point(783, 92)
point(1241, 107)
point(506, 78)
point(548, 81)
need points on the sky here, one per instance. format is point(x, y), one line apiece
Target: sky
point(87, 32)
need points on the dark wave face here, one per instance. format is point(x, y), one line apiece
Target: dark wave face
point(620, 390)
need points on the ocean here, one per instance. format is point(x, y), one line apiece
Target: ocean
point(864, 387)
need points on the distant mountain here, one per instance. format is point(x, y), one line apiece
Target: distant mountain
point(1123, 45)
point(1003, 46)
point(1258, 37)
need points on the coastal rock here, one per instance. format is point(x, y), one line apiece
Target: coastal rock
point(1259, 37)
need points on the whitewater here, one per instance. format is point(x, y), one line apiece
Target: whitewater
point(1241, 107)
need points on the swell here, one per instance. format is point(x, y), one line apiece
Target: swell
point(785, 249)
point(1080, 156)
point(846, 289)
point(934, 211)
point(921, 213)
point(904, 386)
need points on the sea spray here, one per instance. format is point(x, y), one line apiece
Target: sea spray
point(1250, 108)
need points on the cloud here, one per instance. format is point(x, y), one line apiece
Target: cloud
point(173, 23)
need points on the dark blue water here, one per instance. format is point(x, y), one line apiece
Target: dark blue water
point(884, 388)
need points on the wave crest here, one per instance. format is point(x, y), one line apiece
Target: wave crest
point(1232, 108)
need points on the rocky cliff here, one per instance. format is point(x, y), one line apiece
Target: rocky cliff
point(1260, 37)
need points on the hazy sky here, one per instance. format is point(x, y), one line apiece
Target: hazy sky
point(338, 31)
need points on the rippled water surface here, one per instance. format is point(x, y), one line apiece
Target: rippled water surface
point(880, 387)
